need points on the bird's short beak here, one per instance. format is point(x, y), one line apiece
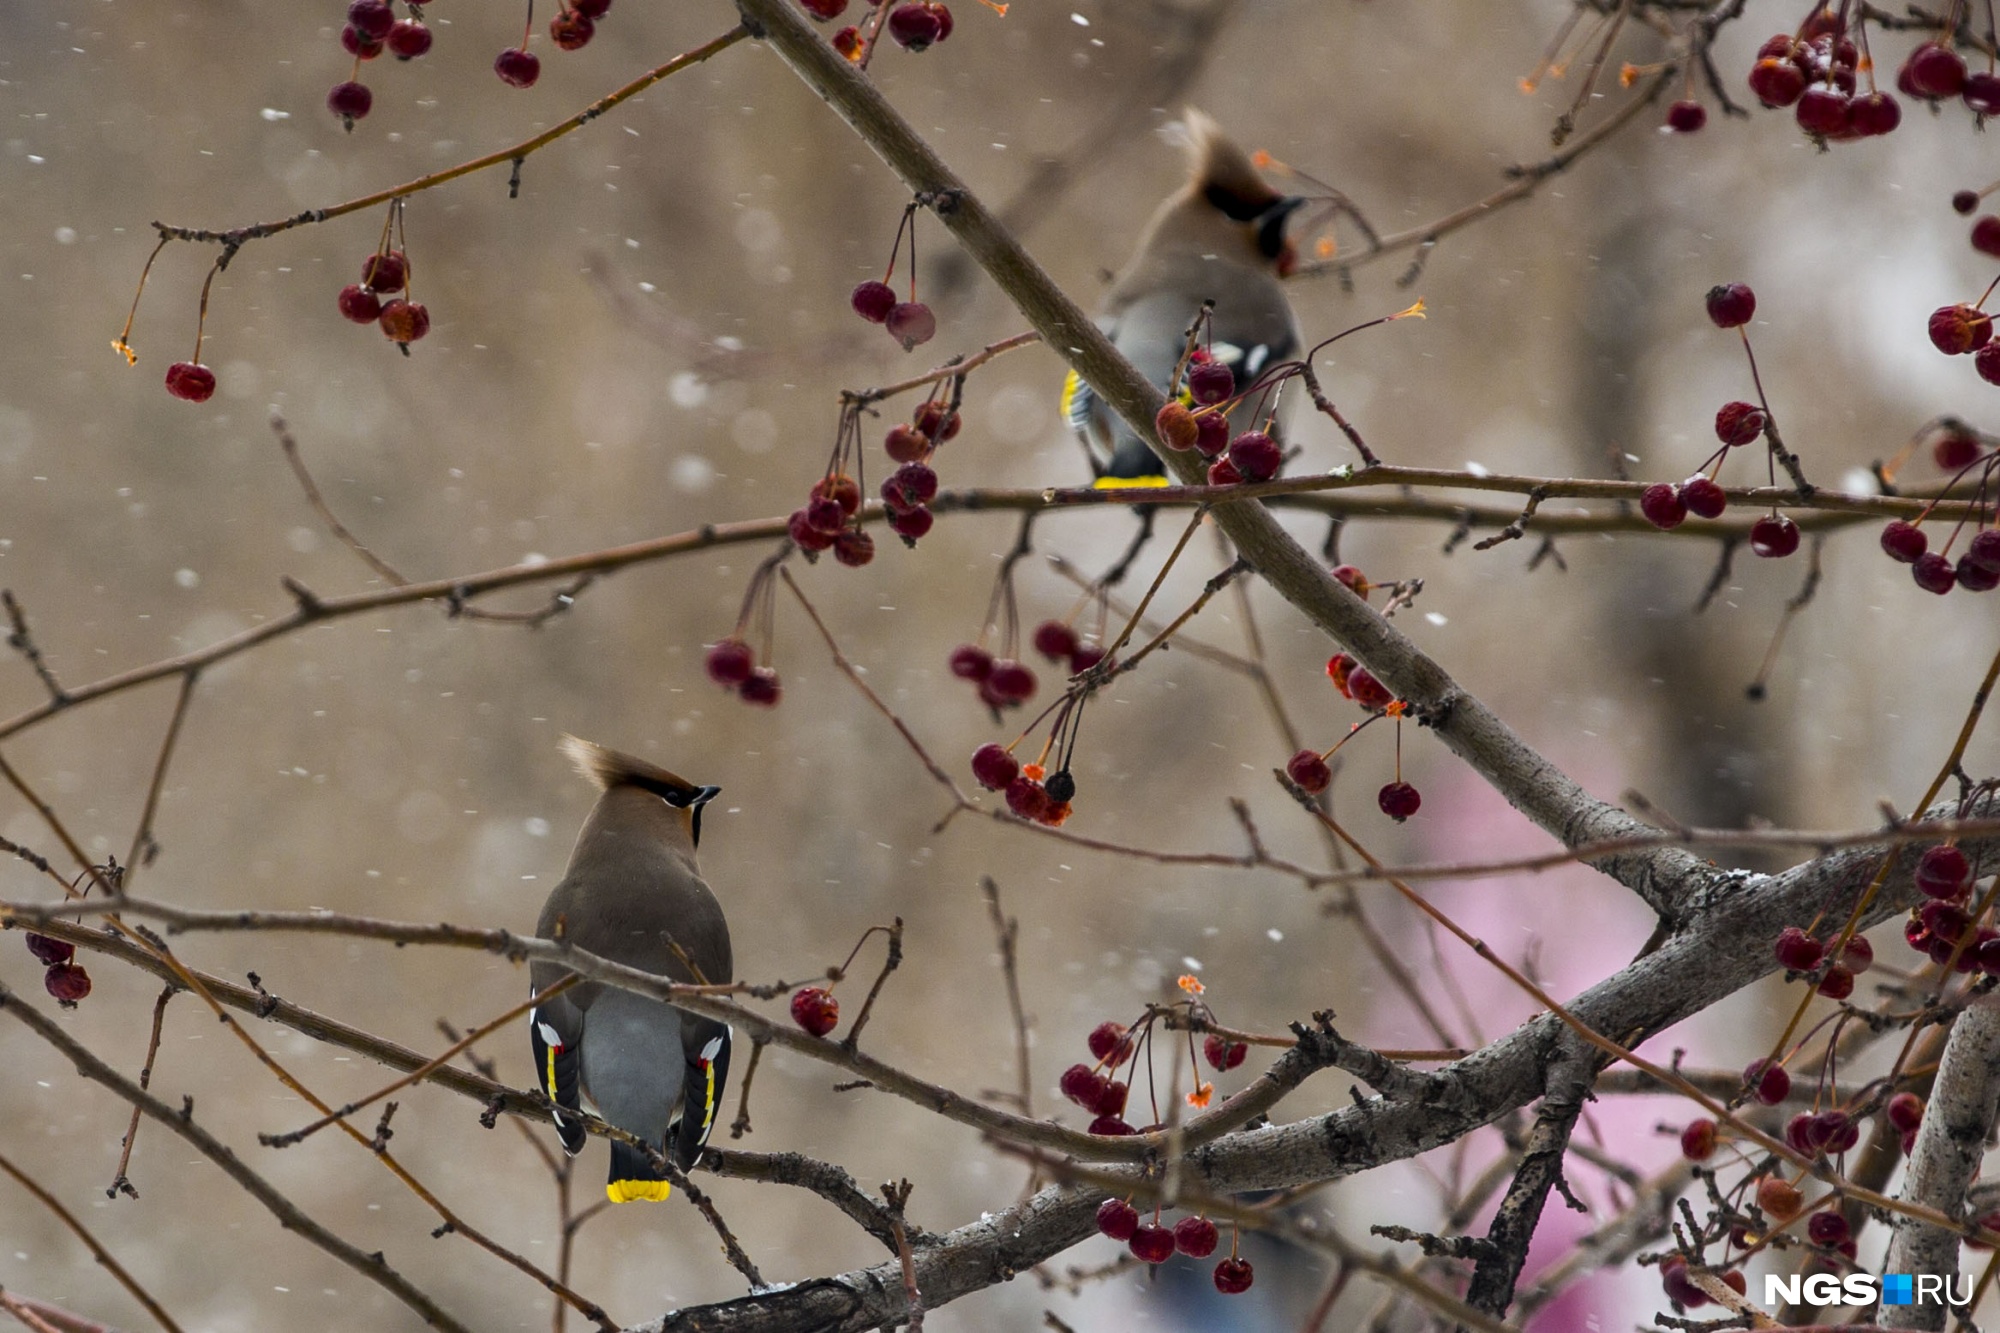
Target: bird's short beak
point(1270, 225)
point(702, 796)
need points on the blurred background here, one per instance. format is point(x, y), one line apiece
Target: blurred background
point(653, 336)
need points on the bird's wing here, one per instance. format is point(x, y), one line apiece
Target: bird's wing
point(556, 1029)
point(701, 1095)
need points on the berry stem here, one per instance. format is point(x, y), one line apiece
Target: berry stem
point(201, 315)
point(119, 344)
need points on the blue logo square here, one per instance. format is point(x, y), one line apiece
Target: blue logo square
point(1897, 1289)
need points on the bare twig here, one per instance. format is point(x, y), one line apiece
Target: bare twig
point(120, 1183)
point(97, 1251)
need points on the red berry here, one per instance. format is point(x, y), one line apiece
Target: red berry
point(910, 486)
point(518, 67)
point(1904, 541)
point(1858, 955)
point(1837, 984)
point(1662, 506)
point(905, 444)
point(1082, 1085)
point(1702, 497)
point(853, 548)
point(359, 304)
point(1210, 382)
point(1934, 573)
point(591, 9)
point(1986, 232)
point(1351, 578)
point(995, 766)
point(1975, 577)
point(1152, 1243)
point(1768, 1081)
point(1221, 1053)
point(873, 301)
point(1370, 693)
point(1945, 921)
point(815, 1010)
point(1086, 656)
point(1340, 670)
point(1115, 1217)
point(571, 31)
point(1935, 71)
point(1680, 1288)
point(1874, 114)
point(1399, 800)
point(1739, 423)
point(1222, 472)
point(1964, 201)
point(1311, 772)
point(848, 42)
point(371, 18)
point(937, 421)
point(1195, 1237)
point(1055, 640)
point(408, 39)
point(1686, 117)
point(911, 524)
point(824, 9)
point(1731, 305)
point(730, 663)
point(1779, 1198)
point(971, 662)
point(914, 27)
point(1827, 1228)
point(1027, 797)
point(1109, 1126)
point(1256, 456)
point(1823, 111)
point(1698, 1140)
point(1956, 449)
point(1798, 951)
point(403, 322)
point(1012, 681)
point(67, 982)
point(1234, 1276)
point(762, 689)
point(188, 380)
point(1958, 329)
point(358, 44)
point(842, 489)
point(350, 101)
point(826, 513)
point(1774, 536)
point(1943, 872)
point(911, 323)
point(1984, 549)
point(1211, 433)
point(1987, 362)
point(1799, 1134)
point(386, 272)
point(805, 534)
point(1111, 1101)
point(1905, 1111)
point(1835, 1131)
point(1110, 1043)
point(1777, 82)
point(48, 950)
point(1982, 92)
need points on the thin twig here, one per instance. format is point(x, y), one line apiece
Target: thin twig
point(97, 1251)
point(23, 642)
point(121, 1183)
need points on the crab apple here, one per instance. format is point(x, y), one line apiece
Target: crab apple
point(1256, 456)
point(1827, 1228)
point(1779, 1199)
point(906, 444)
point(1769, 1082)
point(1975, 577)
point(1351, 578)
point(873, 301)
point(853, 548)
point(1662, 506)
point(518, 67)
point(1221, 1053)
point(1027, 798)
point(1340, 670)
point(1702, 497)
point(824, 10)
point(1222, 472)
point(1934, 573)
point(1874, 114)
point(1986, 231)
point(805, 534)
point(350, 101)
point(1152, 1243)
point(359, 44)
point(1012, 681)
point(1082, 1085)
point(1776, 82)
point(1110, 1042)
point(1943, 872)
point(730, 663)
point(1984, 549)
point(408, 39)
point(762, 689)
point(1835, 1131)
point(1399, 800)
point(1837, 984)
point(1738, 423)
point(1935, 71)
point(67, 982)
point(1956, 449)
point(1117, 1219)
point(1055, 640)
point(1774, 536)
point(1679, 1288)
point(1195, 1237)
point(1370, 693)
point(1798, 951)
point(359, 304)
point(49, 950)
point(1086, 656)
point(1857, 955)
point(994, 767)
point(842, 489)
point(404, 322)
point(1904, 541)
point(1987, 362)
point(1731, 304)
point(1211, 433)
point(1905, 1111)
point(911, 323)
point(371, 18)
point(1109, 1126)
point(1799, 1134)
point(1234, 1276)
point(591, 9)
point(1824, 111)
point(1686, 117)
point(848, 43)
point(386, 272)
point(1310, 771)
point(1698, 1140)
point(571, 31)
point(1210, 382)
point(815, 1010)
point(917, 25)
point(1982, 92)
point(1111, 1101)
point(911, 486)
point(971, 662)
point(1958, 329)
point(1176, 426)
point(936, 420)
point(826, 513)
point(191, 381)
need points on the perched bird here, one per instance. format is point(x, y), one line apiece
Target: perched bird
point(634, 894)
point(1221, 237)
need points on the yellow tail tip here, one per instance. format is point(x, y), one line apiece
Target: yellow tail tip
point(1127, 483)
point(633, 1191)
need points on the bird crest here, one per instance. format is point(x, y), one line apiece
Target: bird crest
point(607, 768)
point(1222, 172)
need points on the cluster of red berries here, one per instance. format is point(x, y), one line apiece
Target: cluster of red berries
point(65, 979)
point(1961, 452)
point(571, 29)
point(1153, 1243)
point(1666, 505)
point(1943, 928)
point(1935, 73)
point(1814, 73)
point(372, 28)
point(1312, 770)
point(914, 25)
point(732, 664)
point(1002, 682)
point(1799, 952)
point(1681, 1288)
point(910, 322)
point(829, 521)
point(373, 300)
point(815, 1009)
point(1202, 424)
point(1032, 791)
point(1061, 644)
point(1967, 330)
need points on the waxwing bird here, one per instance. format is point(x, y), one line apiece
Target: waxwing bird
point(634, 894)
point(1221, 237)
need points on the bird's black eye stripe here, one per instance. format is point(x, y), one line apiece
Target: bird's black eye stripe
point(1232, 205)
point(1271, 227)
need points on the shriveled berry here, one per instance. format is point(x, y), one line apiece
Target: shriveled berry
point(1779, 1200)
point(1774, 536)
point(873, 301)
point(730, 663)
point(1060, 785)
point(1176, 426)
point(1731, 304)
point(404, 322)
point(1111, 1101)
point(824, 10)
point(1934, 573)
point(1370, 693)
point(806, 534)
point(1027, 798)
point(1662, 506)
point(1769, 1082)
point(1055, 640)
point(1964, 201)
point(571, 31)
point(1686, 117)
point(1698, 1140)
point(905, 444)
point(1974, 577)
point(518, 67)
point(350, 101)
point(359, 44)
point(1195, 1237)
point(1984, 549)
point(359, 304)
point(911, 323)
point(842, 489)
point(1905, 1110)
point(386, 272)
point(910, 486)
point(1904, 541)
point(190, 381)
point(1798, 951)
point(914, 27)
point(1959, 329)
point(936, 420)
point(1311, 772)
point(1837, 984)
point(762, 689)
point(1110, 1042)
point(1935, 71)
point(1222, 472)
point(1399, 800)
point(67, 982)
point(1115, 1217)
point(1256, 455)
point(1799, 1134)
point(371, 18)
point(1234, 1276)
point(1221, 1053)
point(1152, 1243)
point(1109, 1126)
point(971, 662)
point(1210, 382)
point(1835, 1131)
point(1776, 82)
point(1827, 1228)
point(49, 950)
point(591, 9)
point(1351, 578)
point(826, 513)
point(994, 767)
point(848, 43)
point(1738, 423)
point(1012, 681)
point(408, 39)
point(815, 1010)
point(1082, 1085)
point(853, 548)
point(1211, 433)
point(1702, 497)
point(1943, 872)
point(1340, 670)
